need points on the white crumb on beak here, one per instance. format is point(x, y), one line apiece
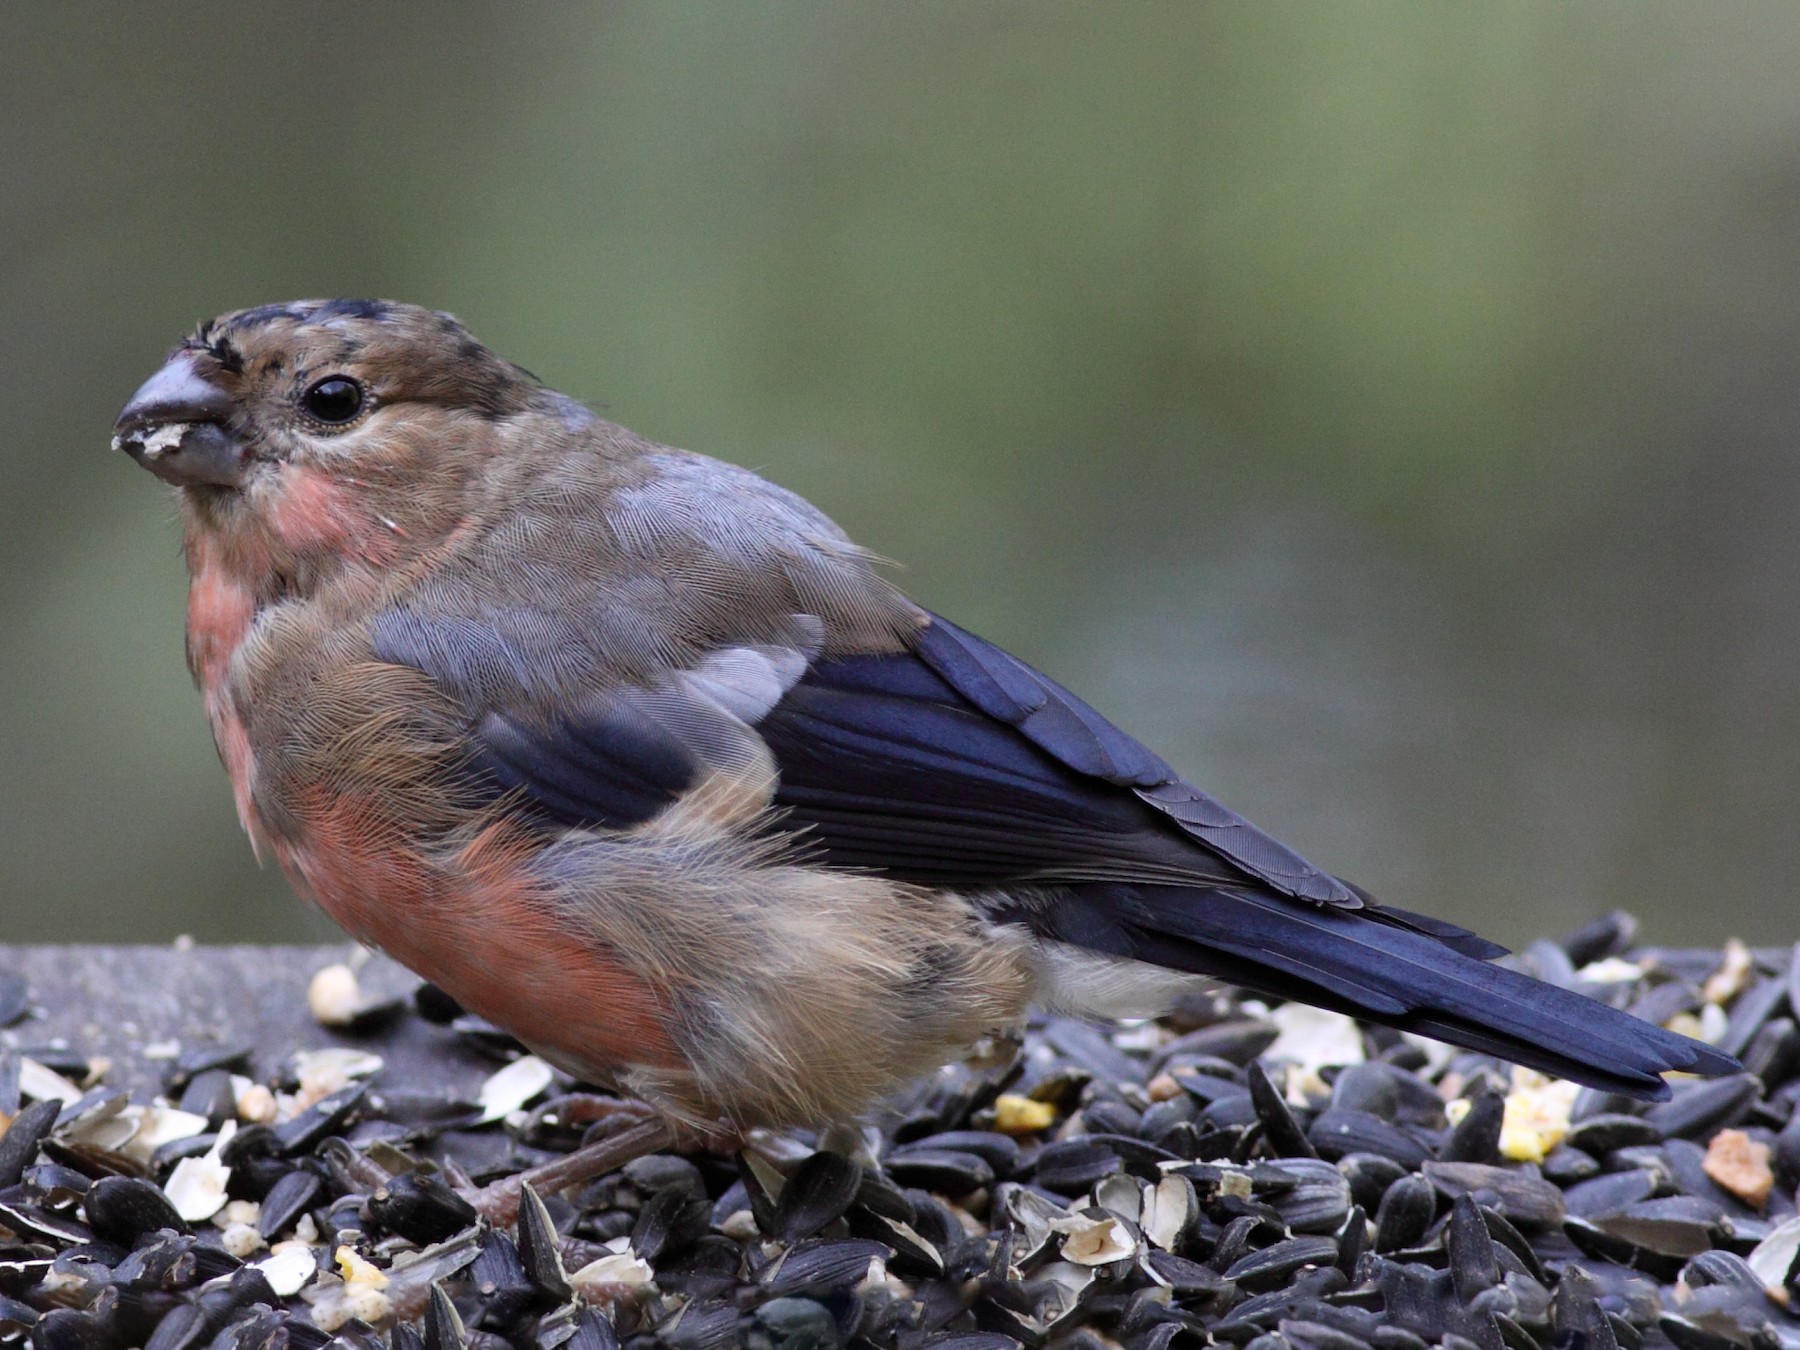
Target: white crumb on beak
point(159, 442)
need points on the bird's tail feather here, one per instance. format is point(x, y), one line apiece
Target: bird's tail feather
point(1408, 972)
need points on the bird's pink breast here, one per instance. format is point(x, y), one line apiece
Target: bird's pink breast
point(220, 612)
point(478, 925)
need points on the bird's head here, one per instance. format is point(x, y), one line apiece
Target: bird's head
point(321, 429)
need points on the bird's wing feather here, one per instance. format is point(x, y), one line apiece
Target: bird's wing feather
point(755, 630)
point(1061, 725)
point(948, 763)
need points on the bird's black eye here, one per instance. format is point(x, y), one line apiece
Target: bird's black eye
point(334, 400)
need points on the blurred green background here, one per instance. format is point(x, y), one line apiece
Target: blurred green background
point(1388, 411)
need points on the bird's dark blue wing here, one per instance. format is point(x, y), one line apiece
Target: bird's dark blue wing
point(1061, 725)
point(884, 765)
point(947, 762)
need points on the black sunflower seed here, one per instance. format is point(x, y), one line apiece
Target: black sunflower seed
point(795, 1324)
point(820, 1190)
point(1565, 1165)
point(16, 1319)
point(1677, 1225)
point(19, 1145)
point(664, 1172)
point(667, 1222)
point(1369, 1175)
point(1279, 1126)
point(1088, 1048)
point(210, 1094)
point(1236, 1240)
point(1142, 1158)
point(1472, 1264)
point(287, 1200)
point(201, 1058)
point(182, 1327)
point(419, 1207)
point(1529, 1201)
point(67, 1329)
point(1236, 1041)
point(499, 1277)
point(1103, 1117)
point(1509, 1240)
point(1603, 1133)
point(1774, 1051)
point(157, 1264)
point(1611, 1193)
point(1260, 1270)
point(1720, 1267)
point(1603, 937)
point(1161, 1117)
point(1207, 1088)
point(125, 1209)
point(1784, 1159)
point(1752, 1008)
point(1317, 1201)
point(821, 1265)
point(1476, 1137)
point(592, 1332)
point(913, 1254)
point(1575, 1312)
point(1074, 1166)
point(318, 1122)
point(443, 1324)
point(879, 1195)
point(998, 1151)
point(540, 1248)
point(1370, 1087)
point(1699, 1108)
point(945, 1170)
point(709, 1268)
point(1406, 1211)
point(1336, 1133)
point(1661, 1002)
point(1185, 1277)
point(248, 1287)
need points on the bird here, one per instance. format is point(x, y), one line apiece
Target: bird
point(638, 756)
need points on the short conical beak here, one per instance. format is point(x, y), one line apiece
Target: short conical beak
point(177, 426)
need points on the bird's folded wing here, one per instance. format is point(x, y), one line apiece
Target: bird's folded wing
point(949, 763)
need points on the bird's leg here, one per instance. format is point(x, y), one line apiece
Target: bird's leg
point(498, 1201)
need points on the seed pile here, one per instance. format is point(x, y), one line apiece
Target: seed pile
point(1280, 1179)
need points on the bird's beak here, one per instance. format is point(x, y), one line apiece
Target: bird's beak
point(178, 426)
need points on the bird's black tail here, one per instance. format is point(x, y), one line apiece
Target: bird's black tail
point(1382, 965)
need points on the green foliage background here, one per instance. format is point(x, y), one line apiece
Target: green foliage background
point(1387, 410)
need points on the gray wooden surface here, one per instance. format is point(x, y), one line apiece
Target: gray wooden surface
point(136, 1005)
